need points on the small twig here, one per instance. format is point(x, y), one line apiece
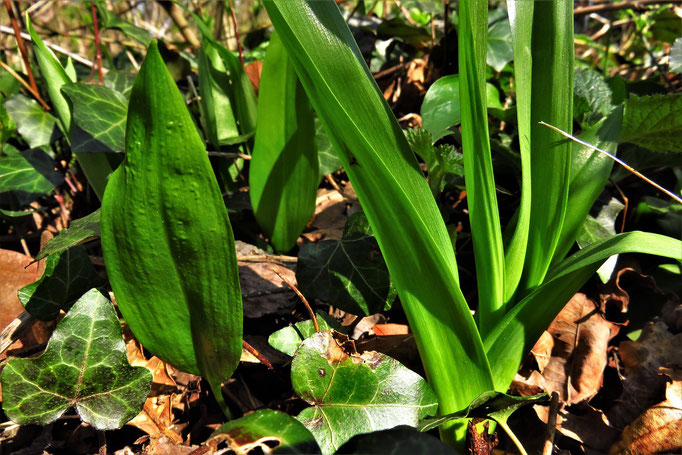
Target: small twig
point(261, 358)
point(626, 202)
point(303, 299)
point(15, 329)
point(16, 76)
point(20, 43)
point(389, 71)
point(269, 257)
point(98, 51)
point(102, 439)
point(54, 47)
point(332, 182)
point(175, 12)
point(617, 160)
point(616, 6)
point(236, 33)
point(230, 155)
point(551, 424)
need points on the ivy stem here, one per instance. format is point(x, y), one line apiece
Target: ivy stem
point(303, 299)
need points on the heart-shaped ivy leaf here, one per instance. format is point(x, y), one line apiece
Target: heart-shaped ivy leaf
point(85, 366)
point(349, 273)
point(271, 431)
point(80, 231)
point(288, 339)
point(353, 393)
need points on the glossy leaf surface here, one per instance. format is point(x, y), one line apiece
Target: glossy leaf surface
point(349, 273)
point(80, 231)
point(354, 393)
point(390, 187)
point(36, 126)
point(283, 174)
point(271, 431)
point(85, 366)
point(167, 241)
point(30, 172)
point(100, 113)
point(288, 339)
point(67, 276)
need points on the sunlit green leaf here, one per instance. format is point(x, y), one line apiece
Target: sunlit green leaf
point(35, 125)
point(80, 231)
point(592, 97)
point(353, 393)
point(30, 172)
point(288, 339)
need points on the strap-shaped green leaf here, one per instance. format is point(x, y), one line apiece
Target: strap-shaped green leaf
point(393, 194)
point(95, 165)
point(283, 174)
point(478, 165)
point(522, 326)
point(167, 240)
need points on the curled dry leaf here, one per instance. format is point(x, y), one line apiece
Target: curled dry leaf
point(330, 214)
point(659, 429)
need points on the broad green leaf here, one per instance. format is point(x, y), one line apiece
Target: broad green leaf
point(551, 102)
point(288, 339)
point(95, 166)
point(516, 334)
point(120, 81)
point(349, 273)
point(167, 240)
point(352, 393)
point(328, 161)
point(8, 85)
point(493, 405)
point(393, 192)
point(440, 109)
point(216, 102)
point(35, 125)
point(521, 23)
point(396, 441)
point(84, 365)
point(591, 97)
point(478, 165)
point(283, 174)
point(111, 20)
point(499, 51)
point(590, 170)
point(67, 276)
point(600, 227)
point(30, 172)
point(7, 125)
point(676, 56)
point(653, 122)
point(100, 113)
point(80, 231)
point(271, 431)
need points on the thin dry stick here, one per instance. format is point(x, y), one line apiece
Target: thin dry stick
point(16, 76)
point(236, 33)
point(261, 358)
point(626, 203)
point(303, 299)
point(617, 160)
point(551, 424)
point(15, 329)
point(20, 43)
point(621, 5)
point(98, 51)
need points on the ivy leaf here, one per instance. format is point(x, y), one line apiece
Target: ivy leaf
point(288, 339)
point(85, 366)
point(271, 431)
point(120, 81)
point(328, 161)
point(80, 231)
point(7, 125)
point(500, 51)
point(601, 227)
point(66, 277)
point(36, 126)
point(493, 405)
point(349, 273)
point(591, 97)
point(111, 20)
point(653, 122)
point(398, 441)
point(28, 173)
point(353, 393)
point(100, 115)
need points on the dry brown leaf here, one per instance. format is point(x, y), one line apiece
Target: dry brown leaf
point(253, 71)
point(156, 419)
point(585, 424)
point(643, 385)
point(581, 336)
point(390, 329)
point(659, 429)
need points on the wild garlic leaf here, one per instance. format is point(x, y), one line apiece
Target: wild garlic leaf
point(85, 366)
point(353, 393)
